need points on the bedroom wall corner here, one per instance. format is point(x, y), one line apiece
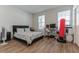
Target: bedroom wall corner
point(10, 16)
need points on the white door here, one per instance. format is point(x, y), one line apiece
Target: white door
point(76, 31)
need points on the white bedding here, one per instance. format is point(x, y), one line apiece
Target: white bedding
point(28, 36)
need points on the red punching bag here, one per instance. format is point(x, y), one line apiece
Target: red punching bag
point(62, 28)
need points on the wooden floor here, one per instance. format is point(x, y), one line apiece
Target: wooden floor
point(42, 46)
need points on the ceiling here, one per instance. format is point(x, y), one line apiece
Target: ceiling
point(35, 8)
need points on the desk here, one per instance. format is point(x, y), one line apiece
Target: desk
point(53, 32)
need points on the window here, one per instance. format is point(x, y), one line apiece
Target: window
point(65, 15)
point(41, 22)
point(77, 16)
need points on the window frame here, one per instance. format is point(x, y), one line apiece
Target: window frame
point(41, 22)
point(63, 16)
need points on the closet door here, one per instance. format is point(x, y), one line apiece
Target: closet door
point(76, 39)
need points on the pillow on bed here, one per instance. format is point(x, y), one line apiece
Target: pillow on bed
point(27, 29)
point(20, 30)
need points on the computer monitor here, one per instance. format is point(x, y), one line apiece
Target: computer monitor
point(52, 25)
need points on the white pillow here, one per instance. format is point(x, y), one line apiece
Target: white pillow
point(27, 29)
point(20, 30)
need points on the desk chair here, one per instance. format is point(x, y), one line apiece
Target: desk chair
point(47, 31)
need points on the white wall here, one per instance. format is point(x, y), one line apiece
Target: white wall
point(13, 16)
point(10, 16)
point(51, 15)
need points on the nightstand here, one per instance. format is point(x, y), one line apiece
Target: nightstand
point(32, 29)
point(8, 36)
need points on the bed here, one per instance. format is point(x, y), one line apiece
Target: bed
point(24, 33)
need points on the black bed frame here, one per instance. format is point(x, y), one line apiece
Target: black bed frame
point(23, 26)
point(18, 26)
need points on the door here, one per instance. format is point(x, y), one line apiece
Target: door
point(76, 28)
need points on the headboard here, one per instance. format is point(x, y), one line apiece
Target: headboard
point(18, 26)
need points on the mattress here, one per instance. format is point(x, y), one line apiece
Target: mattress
point(28, 36)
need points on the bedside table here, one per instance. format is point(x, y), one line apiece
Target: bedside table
point(32, 29)
point(8, 36)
